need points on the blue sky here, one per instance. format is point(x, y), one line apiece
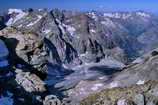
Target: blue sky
point(84, 5)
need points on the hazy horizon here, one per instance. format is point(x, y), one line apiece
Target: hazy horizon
point(81, 5)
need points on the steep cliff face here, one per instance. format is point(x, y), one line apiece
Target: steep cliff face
point(75, 33)
point(95, 35)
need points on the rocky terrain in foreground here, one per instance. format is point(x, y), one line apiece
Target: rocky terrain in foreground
point(61, 57)
point(145, 94)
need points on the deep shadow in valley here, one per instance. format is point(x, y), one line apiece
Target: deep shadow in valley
point(105, 70)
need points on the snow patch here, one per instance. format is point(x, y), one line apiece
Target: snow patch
point(112, 15)
point(108, 23)
point(92, 31)
point(32, 23)
point(82, 55)
point(11, 11)
point(46, 31)
point(138, 60)
point(126, 16)
point(87, 64)
point(101, 78)
point(64, 27)
point(96, 86)
point(121, 102)
point(143, 14)
point(20, 15)
point(118, 15)
point(140, 82)
point(113, 84)
point(20, 25)
point(66, 67)
point(40, 9)
point(71, 29)
point(82, 91)
point(103, 22)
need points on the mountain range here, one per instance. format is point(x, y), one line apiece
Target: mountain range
point(49, 56)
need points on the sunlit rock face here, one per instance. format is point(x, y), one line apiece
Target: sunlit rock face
point(4, 53)
point(30, 82)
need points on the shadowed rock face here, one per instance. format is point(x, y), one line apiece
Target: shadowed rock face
point(4, 53)
point(74, 54)
point(2, 21)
